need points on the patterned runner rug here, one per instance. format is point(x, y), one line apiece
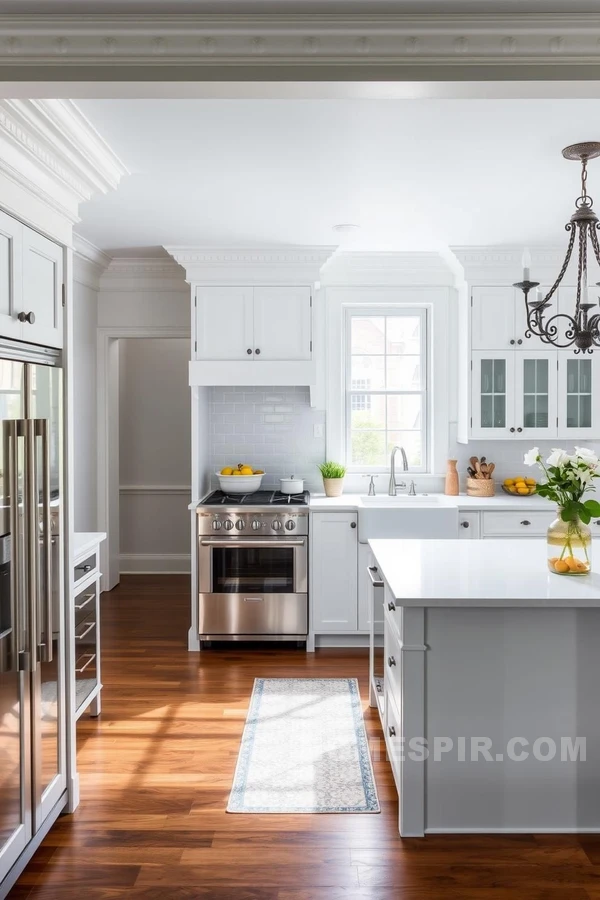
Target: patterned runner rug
point(304, 750)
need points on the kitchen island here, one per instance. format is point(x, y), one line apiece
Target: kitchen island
point(490, 690)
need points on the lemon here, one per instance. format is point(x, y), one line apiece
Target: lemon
point(512, 489)
point(237, 472)
point(246, 470)
point(530, 481)
point(522, 490)
point(259, 471)
point(227, 471)
point(509, 481)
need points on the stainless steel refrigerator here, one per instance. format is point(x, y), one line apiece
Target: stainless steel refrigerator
point(32, 638)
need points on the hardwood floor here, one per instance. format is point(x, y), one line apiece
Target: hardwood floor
point(156, 771)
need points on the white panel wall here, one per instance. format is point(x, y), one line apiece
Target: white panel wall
point(154, 452)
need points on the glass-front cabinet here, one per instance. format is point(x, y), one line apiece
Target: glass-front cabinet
point(535, 394)
point(493, 397)
point(578, 396)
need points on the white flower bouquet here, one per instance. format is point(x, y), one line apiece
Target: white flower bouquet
point(568, 479)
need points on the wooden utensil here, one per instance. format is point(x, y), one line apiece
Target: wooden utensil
point(473, 462)
point(491, 468)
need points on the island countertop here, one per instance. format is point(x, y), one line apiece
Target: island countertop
point(480, 573)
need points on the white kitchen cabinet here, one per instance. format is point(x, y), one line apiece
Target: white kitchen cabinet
point(11, 287)
point(224, 323)
point(42, 290)
point(536, 394)
point(366, 558)
point(282, 323)
point(254, 324)
point(578, 396)
point(499, 319)
point(493, 394)
point(469, 525)
point(334, 572)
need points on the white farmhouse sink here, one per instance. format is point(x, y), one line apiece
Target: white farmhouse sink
point(406, 517)
point(400, 500)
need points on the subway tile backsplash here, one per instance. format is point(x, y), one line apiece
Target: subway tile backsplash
point(269, 428)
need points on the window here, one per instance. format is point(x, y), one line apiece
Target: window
point(386, 387)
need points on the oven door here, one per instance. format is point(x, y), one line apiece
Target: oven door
point(253, 587)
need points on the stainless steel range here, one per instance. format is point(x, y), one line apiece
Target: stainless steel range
point(253, 567)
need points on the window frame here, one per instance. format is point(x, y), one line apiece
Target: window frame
point(387, 311)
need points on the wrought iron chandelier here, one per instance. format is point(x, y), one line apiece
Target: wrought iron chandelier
point(582, 329)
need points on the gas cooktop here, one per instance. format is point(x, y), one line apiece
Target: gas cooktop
point(258, 498)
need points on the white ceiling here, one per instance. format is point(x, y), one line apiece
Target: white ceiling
point(413, 174)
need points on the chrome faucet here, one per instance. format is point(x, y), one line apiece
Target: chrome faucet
point(393, 484)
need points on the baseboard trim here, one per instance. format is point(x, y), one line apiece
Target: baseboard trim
point(346, 640)
point(155, 564)
point(532, 830)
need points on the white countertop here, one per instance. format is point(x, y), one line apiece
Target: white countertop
point(85, 542)
point(503, 573)
point(502, 501)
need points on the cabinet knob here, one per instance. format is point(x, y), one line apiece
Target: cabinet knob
point(519, 341)
point(391, 731)
point(513, 340)
point(525, 522)
point(391, 661)
point(464, 524)
point(512, 430)
point(257, 351)
point(352, 524)
point(27, 317)
point(519, 429)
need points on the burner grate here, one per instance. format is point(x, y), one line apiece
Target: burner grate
point(258, 498)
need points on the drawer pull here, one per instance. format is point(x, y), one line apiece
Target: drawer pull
point(376, 581)
point(87, 598)
point(85, 632)
point(86, 568)
point(391, 731)
point(391, 606)
point(90, 659)
point(525, 522)
point(391, 661)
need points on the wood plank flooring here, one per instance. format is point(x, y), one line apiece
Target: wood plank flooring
point(156, 770)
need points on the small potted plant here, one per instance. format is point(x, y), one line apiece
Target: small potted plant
point(568, 478)
point(333, 478)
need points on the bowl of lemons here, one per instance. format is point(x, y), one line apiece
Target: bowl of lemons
point(519, 486)
point(240, 479)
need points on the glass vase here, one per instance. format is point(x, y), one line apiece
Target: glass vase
point(569, 547)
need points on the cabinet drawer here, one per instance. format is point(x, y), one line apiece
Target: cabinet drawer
point(391, 661)
point(511, 524)
point(85, 603)
point(392, 613)
point(393, 734)
point(85, 568)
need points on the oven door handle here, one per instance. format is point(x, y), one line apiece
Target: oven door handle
point(249, 544)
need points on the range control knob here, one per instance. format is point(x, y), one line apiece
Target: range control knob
point(240, 524)
point(228, 525)
point(290, 525)
point(217, 525)
point(256, 525)
point(276, 525)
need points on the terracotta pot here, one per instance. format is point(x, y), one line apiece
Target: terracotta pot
point(333, 487)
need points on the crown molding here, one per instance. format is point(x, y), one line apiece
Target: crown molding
point(251, 265)
point(268, 41)
point(143, 274)
point(502, 264)
point(50, 149)
point(89, 262)
point(388, 268)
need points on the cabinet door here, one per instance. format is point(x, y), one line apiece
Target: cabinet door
point(365, 592)
point(493, 395)
point(469, 527)
point(334, 549)
point(42, 289)
point(224, 323)
point(11, 237)
point(493, 322)
point(282, 323)
point(578, 396)
point(535, 396)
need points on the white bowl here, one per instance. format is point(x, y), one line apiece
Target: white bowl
point(239, 484)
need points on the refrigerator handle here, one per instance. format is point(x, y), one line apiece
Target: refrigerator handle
point(32, 540)
point(41, 430)
point(11, 486)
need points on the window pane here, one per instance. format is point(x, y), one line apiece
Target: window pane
point(487, 413)
point(585, 375)
point(404, 412)
point(585, 411)
point(411, 441)
point(368, 448)
point(403, 373)
point(529, 376)
point(367, 373)
point(499, 411)
point(499, 376)
point(403, 334)
point(542, 376)
point(371, 416)
point(368, 334)
point(487, 381)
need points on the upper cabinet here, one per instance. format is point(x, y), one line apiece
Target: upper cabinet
point(253, 324)
point(499, 319)
point(31, 285)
